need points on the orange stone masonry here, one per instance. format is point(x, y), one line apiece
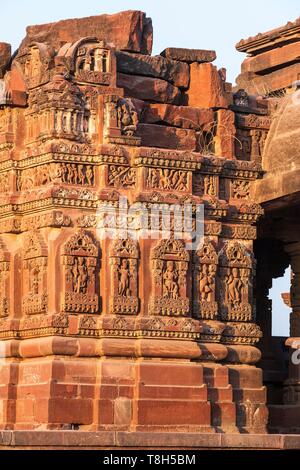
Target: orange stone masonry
point(136, 333)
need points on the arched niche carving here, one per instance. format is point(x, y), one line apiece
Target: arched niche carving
point(80, 259)
point(204, 279)
point(91, 61)
point(236, 286)
point(124, 256)
point(35, 260)
point(5, 265)
point(35, 61)
point(169, 261)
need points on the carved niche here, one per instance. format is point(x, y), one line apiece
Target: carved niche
point(4, 280)
point(205, 269)
point(169, 265)
point(120, 121)
point(80, 259)
point(124, 257)
point(90, 61)
point(35, 260)
point(236, 272)
point(36, 61)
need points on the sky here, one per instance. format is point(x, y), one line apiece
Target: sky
point(196, 24)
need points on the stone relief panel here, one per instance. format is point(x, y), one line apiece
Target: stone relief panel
point(124, 256)
point(169, 266)
point(35, 261)
point(240, 189)
point(80, 260)
point(167, 179)
point(121, 176)
point(205, 185)
point(204, 279)
point(5, 264)
point(235, 289)
point(68, 173)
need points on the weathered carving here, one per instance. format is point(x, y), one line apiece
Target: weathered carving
point(169, 264)
point(69, 173)
point(80, 257)
point(124, 256)
point(204, 294)
point(4, 280)
point(236, 270)
point(35, 290)
point(240, 189)
point(166, 179)
point(205, 185)
point(121, 176)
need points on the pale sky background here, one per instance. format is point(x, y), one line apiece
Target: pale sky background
point(197, 24)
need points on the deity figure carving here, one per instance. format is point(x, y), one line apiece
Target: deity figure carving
point(170, 281)
point(127, 117)
point(81, 269)
point(236, 272)
point(124, 256)
point(4, 280)
point(35, 296)
point(169, 291)
point(205, 268)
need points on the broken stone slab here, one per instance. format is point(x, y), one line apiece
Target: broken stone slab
point(207, 88)
point(285, 77)
point(188, 55)
point(128, 30)
point(154, 135)
point(5, 56)
point(269, 60)
point(175, 72)
point(147, 88)
point(184, 117)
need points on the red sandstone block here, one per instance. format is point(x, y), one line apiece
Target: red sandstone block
point(105, 411)
point(174, 72)
point(148, 88)
point(122, 411)
point(276, 57)
point(254, 395)
point(5, 55)
point(185, 117)
point(220, 394)
point(159, 373)
point(128, 30)
point(60, 390)
point(206, 87)
point(223, 414)
point(248, 377)
point(167, 137)
point(174, 392)
point(264, 84)
point(117, 372)
point(78, 411)
point(225, 133)
point(158, 412)
point(189, 55)
point(41, 390)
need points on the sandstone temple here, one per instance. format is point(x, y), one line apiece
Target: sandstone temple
point(136, 337)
